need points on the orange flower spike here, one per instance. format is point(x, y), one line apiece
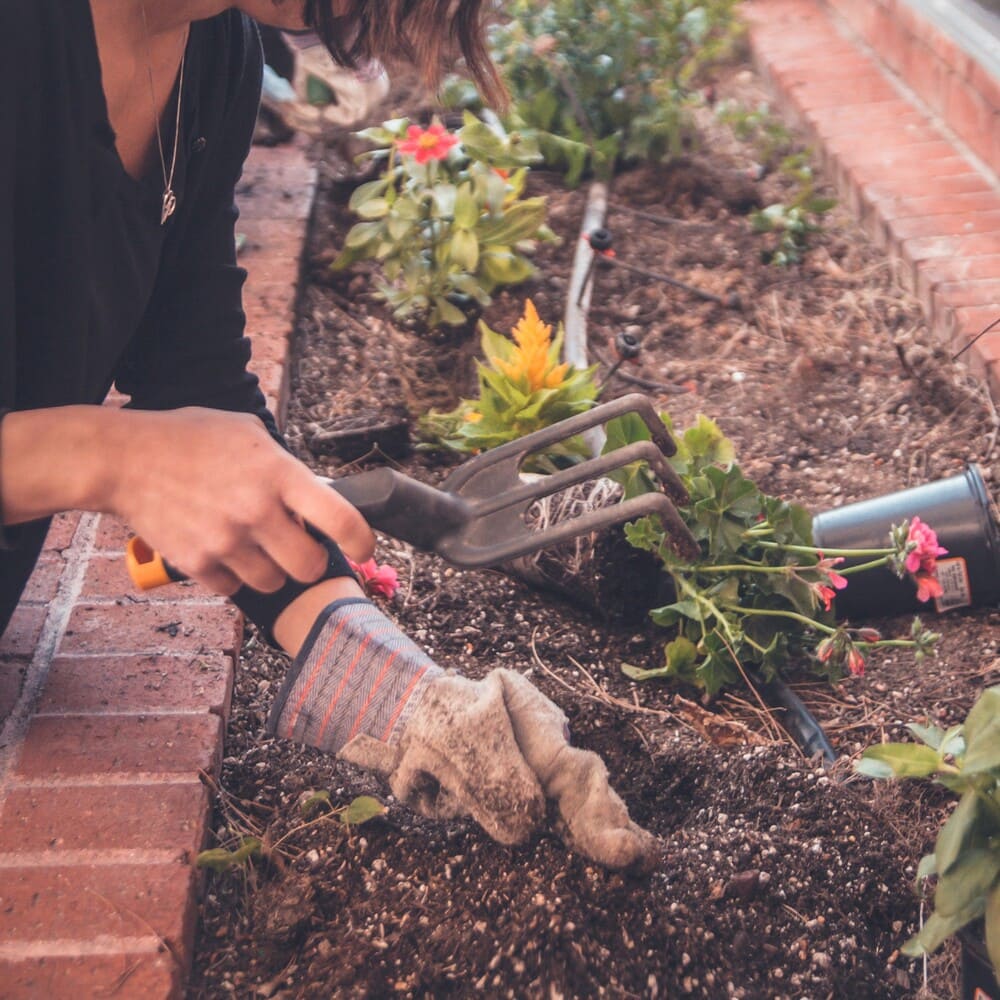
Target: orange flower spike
point(531, 361)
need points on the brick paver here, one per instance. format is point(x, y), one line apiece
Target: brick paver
point(115, 702)
point(910, 138)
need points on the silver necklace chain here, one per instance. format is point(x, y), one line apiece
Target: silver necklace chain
point(169, 202)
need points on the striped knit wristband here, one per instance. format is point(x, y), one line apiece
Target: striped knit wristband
point(356, 673)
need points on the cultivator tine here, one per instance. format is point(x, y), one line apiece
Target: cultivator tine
point(494, 471)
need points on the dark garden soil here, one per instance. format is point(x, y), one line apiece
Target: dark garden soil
point(780, 877)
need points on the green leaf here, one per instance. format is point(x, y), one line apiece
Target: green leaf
point(360, 810)
point(448, 313)
point(992, 927)
point(467, 209)
point(361, 234)
point(219, 859)
point(960, 831)
point(365, 192)
point(963, 888)
point(315, 802)
point(982, 734)
point(465, 249)
point(904, 760)
point(931, 735)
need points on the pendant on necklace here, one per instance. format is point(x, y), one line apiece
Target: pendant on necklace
point(169, 204)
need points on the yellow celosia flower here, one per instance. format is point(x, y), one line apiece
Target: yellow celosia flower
point(473, 417)
point(531, 356)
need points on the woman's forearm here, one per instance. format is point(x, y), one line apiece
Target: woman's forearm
point(56, 459)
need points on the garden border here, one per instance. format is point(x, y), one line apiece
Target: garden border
point(116, 705)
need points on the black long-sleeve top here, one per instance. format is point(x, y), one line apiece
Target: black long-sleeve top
point(93, 290)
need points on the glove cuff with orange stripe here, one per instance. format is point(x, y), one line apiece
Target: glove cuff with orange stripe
point(356, 674)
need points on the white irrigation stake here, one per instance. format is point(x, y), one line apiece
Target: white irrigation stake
point(578, 296)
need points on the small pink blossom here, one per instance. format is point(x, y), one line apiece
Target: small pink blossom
point(922, 548)
point(869, 635)
point(431, 143)
point(855, 662)
point(824, 594)
point(825, 566)
point(376, 579)
point(928, 586)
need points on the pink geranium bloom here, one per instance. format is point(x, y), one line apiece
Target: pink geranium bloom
point(928, 586)
point(922, 543)
point(824, 593)
point(855, 663)
point(836, 580)
point(375, 578)
point(431, 143)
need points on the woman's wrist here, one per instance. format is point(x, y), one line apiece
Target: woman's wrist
point(292, 626)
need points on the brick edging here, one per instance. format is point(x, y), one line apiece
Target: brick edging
point(113, 703)
point(914, 184)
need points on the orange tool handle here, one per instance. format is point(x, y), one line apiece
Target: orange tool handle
point(147, 567)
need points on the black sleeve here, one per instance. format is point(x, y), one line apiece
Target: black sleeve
point(192, 349)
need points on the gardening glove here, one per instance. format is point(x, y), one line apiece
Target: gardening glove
point(495, 749)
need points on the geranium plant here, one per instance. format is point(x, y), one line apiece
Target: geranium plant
point(762, 595)
point(966, 857)
point(446, 219)
point(523, 386)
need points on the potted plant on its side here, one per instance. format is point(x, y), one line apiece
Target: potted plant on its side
point(966, 857)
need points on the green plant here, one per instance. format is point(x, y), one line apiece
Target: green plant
point(768, 135)
point(762, 593)
point(606, 81)
point(359, 810)
point(446, 219)
point(522, 387)
point(794, 221)
point(966, 857)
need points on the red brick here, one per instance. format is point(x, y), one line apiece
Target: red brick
point(262, 319)
point(271, 295)
point(12, 672)
point(892, 189)
point(274, 384)
point(969, 321)
point(23, 631)
point(61, 532)
point(945, 225)
point(954, 204)
point(199, 683)
point(107, 578)
point(82, 902)
point(44, 581)
point(120, 745)
point(112, 534)
point(890, 136)
point(971, 117)
point(924, 247)
point(168, 818)
point(152, 628)
point(970, 293)
point(932, 273)
point(844, 92)
point(124, 977)
point(271, 347)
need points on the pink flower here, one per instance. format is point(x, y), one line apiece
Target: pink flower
point(431, 143)
point(824, 593)
point(855, 662)
point(825, 566)
point(869, 634)
point(382, 580)
point(922, 548)
point(825, 650)
point(928, 586)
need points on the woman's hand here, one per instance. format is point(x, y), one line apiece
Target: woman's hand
point(225, 504)
point(210, 490)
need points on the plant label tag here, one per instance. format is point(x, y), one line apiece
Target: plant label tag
point(953, 575)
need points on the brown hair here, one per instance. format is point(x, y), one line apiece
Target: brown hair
point(419, 31)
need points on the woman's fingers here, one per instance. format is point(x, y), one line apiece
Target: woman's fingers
point(328, 512)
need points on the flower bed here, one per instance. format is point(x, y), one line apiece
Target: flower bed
point(780, 877)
